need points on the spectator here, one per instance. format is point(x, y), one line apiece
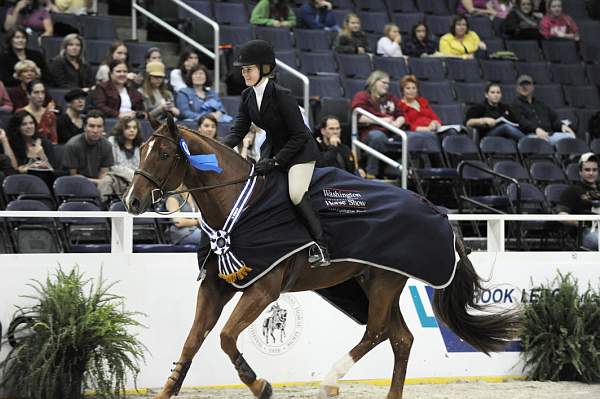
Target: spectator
point(275, 13)
point(333, 152)
point(70, 122)
point(207, 126)
point(188, 59)
point(44, 116)
point(389, 44)
point(30, 14)
point(417, 112)
point(377, 100)
point(350, 38)
point(475, 8)
point(8, 162)
point(556, 24)
point(115, 98)
point(184, 230)
point(25, 72)
point(485, 116)
point(522, 23)
point(419, 44)
point(460, 42)
point(70, 69)
point(89, 154)
point(501, 7)
point(78, 7)
point(16, 50)
point(158, 99)
point(535, 117)
point(117, 51)
point(153, 55)
point(6, 105)
point(31, 150)
point(197, 99)
point(317, 14)
point(583, 198)
point(126, 140)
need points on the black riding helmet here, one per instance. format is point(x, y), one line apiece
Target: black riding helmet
point(256, 52)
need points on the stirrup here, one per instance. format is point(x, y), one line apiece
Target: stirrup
point(318, 256)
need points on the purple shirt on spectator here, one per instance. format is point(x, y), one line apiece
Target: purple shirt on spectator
point(34, 20)
point(476, 3)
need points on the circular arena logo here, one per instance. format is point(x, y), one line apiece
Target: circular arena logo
point(279, 326)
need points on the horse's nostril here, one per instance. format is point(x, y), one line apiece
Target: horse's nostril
point(134, 205)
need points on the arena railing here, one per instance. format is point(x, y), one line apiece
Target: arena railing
point(379, 121)
point(122, 223)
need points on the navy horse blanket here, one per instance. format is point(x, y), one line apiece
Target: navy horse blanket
point(377, 224)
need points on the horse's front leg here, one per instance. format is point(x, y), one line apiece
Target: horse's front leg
point(254, 300)
point(213, 295)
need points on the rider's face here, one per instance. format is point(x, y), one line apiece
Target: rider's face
point(251, 74)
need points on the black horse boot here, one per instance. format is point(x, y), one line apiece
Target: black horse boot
point(318, 255)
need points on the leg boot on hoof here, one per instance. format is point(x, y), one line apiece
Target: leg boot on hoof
point(326, 392)
point(267, 391)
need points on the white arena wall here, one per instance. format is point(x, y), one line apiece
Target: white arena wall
point(163, 286)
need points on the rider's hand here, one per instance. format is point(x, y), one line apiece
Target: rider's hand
point(265, 166)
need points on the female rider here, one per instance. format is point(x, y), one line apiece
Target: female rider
point(289, 144)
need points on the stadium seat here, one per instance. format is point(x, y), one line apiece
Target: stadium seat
point(495, 149)
point(575, 9)
point(470, 92)
point(371, 5)
point(354, 65)
point(569, 74)
point(280, 38)
point(227, 13)
point(463, 70)
point(51, 46)
point(395, 66)
point(98, 27)
point(460, 148)
point(325, 86)
point(438, 24)
point(373, 21)
point(427, 68)
point(69, 22)
point(493, 46)
point(75, 188)
point(137, 53)
point(231, 104)
point(288, 57)
point(568, 114)
point(589, 31)
point(534, 148)
point(352, 86)
point(526, 50)
point(437, 92)
point(498, 71)
point(314, 63)
point(449, 113)
point(583, 118)
point(550, 94)
point(512, 169)
point(406, 21)
point(482, 26)
point(543, 173)
point(509, 92)
point(572, 172)
point(27, 187)
point(435, 7)
point(80, 231)
point(595, 146)
point(553, 192)
point(233, 34)
point(401, 6)
point(96, 50)
point(532, 199)
point(479, 188)
point(560, 51)
point(590, 51)
point(593, 73)
point(582, 96)
point(58, 95)
point(203, 7)
point(311, 39)
point(539, 71)
point(569, 150)
point(33, 235)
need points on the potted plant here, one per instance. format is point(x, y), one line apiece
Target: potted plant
point(74, 336)
point(560, 334)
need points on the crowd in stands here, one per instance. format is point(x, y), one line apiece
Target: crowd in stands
point(97, 123)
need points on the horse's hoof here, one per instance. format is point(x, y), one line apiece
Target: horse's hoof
point(327, 391)
point(267, 391)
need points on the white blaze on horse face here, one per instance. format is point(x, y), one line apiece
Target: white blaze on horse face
point(150, 145)
point(339, 369)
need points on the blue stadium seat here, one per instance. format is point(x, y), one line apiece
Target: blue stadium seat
point(96, 50)
point(287, 57)
point(482, 26)
point(230, 13)
point(395, 66)
point(436, 7)
point(312, 39)
point(33, 235)
point(427, 68)
point(494, 149)
point(569, 74)
point(470, 92)
point(450, 113)
point(582, 96)
point(406, 21)
point(98, 27)
point(576, 9)
point(512, 169)
point(202, 7)
point(543, 173)
point(354, 65)
point(499, 71)
point(439, 25)
point(58, 95)
point(280, 38)
point(534, 148)
point(589, 31)
point(373, 21)
point(314, 63)
point(75, 188)
point(340, 14)
point(590, 51)
point(233, 34)
point(402, 6)
point(593, 73)
point(137, 52)
point(463, 70)
point(325, 86)
point(493, 45)
point(437, 92)
point(509, 93)
point(572, 173)
point(352, 86)
point(532, 199)
point(554, 191)
point(371, 5)
point(71, 20)
point(51, 46)
point(460, 148)
point(568, 114)
point(231, 104)
point(550, 94)
point(23, 186)
point(560, 51)
point(569, 150)
point(526, 50)
point(539, 71)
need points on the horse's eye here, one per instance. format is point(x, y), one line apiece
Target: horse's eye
point(163, 156)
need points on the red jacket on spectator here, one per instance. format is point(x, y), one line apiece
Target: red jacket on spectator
point(550, 25)
point(108, 100)
point(415, 118)
point(387, 105)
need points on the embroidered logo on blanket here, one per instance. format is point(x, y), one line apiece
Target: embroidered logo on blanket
point(344, 201)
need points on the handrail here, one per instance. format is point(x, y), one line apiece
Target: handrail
point(214, 55)
point(391, 128)
point(376, 154)
point(305, 83)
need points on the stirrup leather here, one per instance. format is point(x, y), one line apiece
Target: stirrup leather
point(185, 366)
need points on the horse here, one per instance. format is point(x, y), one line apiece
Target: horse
point(275, 322)
point(164, 166)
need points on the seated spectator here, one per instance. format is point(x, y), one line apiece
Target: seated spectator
point(317, 14)
point(333, 152)
point(535, 117)
point(77, 7)
point(8, 162)
point(197, 99)
point(153, 55)
point(485, 116)
point(31, 150)
point(207, 126)
point(44, 116)
point(30, 14)
point(377, 100)
point(522, 23)
point(419, 44)
point(275, 13)
point(25, 72)
point(69, 123)
point(69, 69)
point(115, 98)
point(583, 198)
point(476, 7)
point(6, 105)
point(460, 42)
point(389, 44)
point(501, 8)
point(418, 114)
point(89, 154)
point(126, 140)
point(118, 51)
point(188, 59)
point(16, 50)
point(558, 25)
point(184, 230)
point(351, 39)
point(158, 99)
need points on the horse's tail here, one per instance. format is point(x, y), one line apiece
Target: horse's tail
point(485, 331)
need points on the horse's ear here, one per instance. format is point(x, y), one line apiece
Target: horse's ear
point(153, 122)
point(172, 126)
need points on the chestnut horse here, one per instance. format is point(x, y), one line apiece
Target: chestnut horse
point(164, 167)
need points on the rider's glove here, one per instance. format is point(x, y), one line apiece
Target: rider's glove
point(265, 166)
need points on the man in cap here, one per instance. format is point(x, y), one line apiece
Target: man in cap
point(583, 197)
point(70, 122)
point(535, 117)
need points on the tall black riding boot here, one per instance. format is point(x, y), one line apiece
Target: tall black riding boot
point(318, 255)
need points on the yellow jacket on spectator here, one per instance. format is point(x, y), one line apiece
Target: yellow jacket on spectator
point(71, 6)
point(450, 45)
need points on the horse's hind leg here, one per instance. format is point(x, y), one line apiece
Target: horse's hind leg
point(401, 340)
point(213, 295)
point(383, 289)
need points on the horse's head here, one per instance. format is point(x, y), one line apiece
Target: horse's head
point(162, 168)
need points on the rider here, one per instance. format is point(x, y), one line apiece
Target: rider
point(289, 144)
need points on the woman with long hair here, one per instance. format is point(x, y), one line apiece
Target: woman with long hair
point(522, 23)
point(198, 99)
point(70, 69)
point(557, 24)
point(44, 116)
point(419, 44)
point(351, 39)
point(188, 59)
point(15, 50)
point(158, 99)
point(31, 150)
point(126, 140)
point(115, 98)
point(118, 51)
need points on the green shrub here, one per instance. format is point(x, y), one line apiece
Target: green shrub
point(561, 333)
point(72, 338)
